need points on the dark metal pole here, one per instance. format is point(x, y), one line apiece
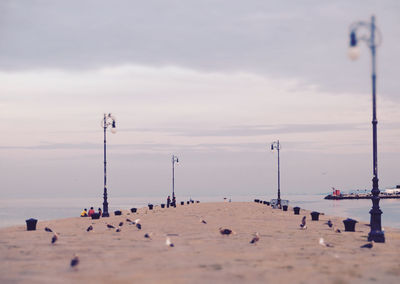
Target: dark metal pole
point(279, 177)
point(173, 177)
point(376, 233)
point(105, 203)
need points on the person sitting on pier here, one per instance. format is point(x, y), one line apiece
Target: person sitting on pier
point(84, 213)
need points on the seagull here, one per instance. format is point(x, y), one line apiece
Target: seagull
point(338, 231)
point(203, 221)
point(168, 242)
point(74, 261)
point(138, 225)
point(54, 238)
point(225, 231)
point(128, 220)
point(255, 239)
point(118, 230)
point(148, 235)
point(110, 226)
point(329, 223)
point(120, 224)
point(89, 228)
point(303, 223)
point(369, 245)
point(47, 229)
point(322, 243)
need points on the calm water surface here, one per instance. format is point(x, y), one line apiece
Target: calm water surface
point(16, 211)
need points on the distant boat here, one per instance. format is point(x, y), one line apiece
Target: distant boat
point(390, 193)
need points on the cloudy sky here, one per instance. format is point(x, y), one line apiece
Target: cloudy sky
point(214, 82)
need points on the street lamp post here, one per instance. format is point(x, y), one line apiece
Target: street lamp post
point(175, 159)
point(108, 120)
point(277, 146)
point(376, 234)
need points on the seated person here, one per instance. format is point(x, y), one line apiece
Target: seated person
point(91, 212)
point(84, 213)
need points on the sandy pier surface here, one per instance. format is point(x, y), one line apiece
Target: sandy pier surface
point(284, 253)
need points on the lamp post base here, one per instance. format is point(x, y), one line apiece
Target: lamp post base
point(376, 236)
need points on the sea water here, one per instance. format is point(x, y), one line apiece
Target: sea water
point(16, 211)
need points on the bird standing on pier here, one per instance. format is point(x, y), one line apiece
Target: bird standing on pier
point(226, 232)
point(329, 223)
point(120, 224)
point(303, 223)
point(137, 223)
point(47, 229)
point(369, 245)
point(255, 239)
point(110, 226)
point(169, 243)
point(322, 243)
point(89, 228)
point(74, 261)
point(203, 221)
point(54, 238)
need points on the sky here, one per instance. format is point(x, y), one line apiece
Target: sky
point(213, 82)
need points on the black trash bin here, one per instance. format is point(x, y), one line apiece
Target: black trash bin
point(182, 202)
point(314, 216)
point(284, 207)
point(162, 205)
point(296, 210)
point(349, 225)
point(31, 224)
point(117, 213)
point(95, 216)
point(133, 210)
point(150, 206)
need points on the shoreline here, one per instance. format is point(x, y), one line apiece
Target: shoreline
point(201, 254)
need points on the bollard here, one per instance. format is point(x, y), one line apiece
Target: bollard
point(284, 207)
point(117, 213)
point(197, 201)
point(192, 201)
point(268, 203)
point(264, 202)
point(162, 205)
point(314, 216)
point(182, 202)
point(133, 210)
point(260, 201)
point(188, 202)
point(150, 206)
point(95, 216)
point(31, 224)
point(256, 200)
point(349, 225)
point(296, 210)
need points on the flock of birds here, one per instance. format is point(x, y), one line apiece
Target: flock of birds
point(303, 226)
point(223, 231)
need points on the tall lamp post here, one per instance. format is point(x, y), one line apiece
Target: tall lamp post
point(277, 146)
point(175, 159)
point(376, 234)
point(108, 120)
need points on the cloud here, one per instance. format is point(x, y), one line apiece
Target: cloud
point(280, 39)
